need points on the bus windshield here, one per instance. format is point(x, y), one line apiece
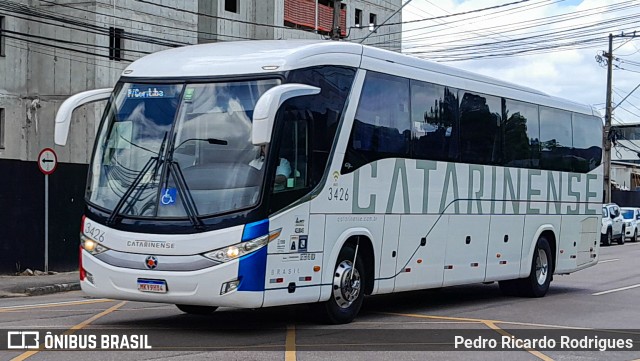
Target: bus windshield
point(178, 150)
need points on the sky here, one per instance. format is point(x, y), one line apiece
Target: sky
point(572, 73)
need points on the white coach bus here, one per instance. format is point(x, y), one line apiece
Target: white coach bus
point(264, 173)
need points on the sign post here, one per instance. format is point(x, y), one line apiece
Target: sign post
point(47, 162)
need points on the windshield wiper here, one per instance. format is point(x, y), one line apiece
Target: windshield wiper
point(187, 199)
point(130, 189)
point(153, 160)
point(208, 140)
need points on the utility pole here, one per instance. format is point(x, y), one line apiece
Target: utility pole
point(607, 124)
point(335, 29)
point(607, 136)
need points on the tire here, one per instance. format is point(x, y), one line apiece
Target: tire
point(621, 239)
point(635, 235)
point(606, 240)
point(347, 294)
point(197, 310)
point(537, 284)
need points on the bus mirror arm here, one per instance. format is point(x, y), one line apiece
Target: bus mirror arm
point(63, 116)
point(264, 113)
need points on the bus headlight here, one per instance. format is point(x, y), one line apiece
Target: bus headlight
point(91, 246)
point(238, 250)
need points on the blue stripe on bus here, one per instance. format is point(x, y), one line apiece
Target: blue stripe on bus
point(252, 269)
point(255, 230)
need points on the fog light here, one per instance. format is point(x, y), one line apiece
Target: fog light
point(89, 277)
point(229, 286)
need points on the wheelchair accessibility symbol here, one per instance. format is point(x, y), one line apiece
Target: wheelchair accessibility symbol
point(169, 196)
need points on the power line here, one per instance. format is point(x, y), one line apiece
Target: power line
point(15, 44)
point(145, 22)
point(69, 42)
point(570, 32)
point(455, 14)
point(466, 20)
point(532, 23)
point(29, 11)
point(62, 47)
point(223, 18)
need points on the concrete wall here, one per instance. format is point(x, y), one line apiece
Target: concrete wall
point(36, 78)
point(386, 37)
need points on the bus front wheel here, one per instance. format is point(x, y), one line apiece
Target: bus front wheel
point(197, 310)
point(347, 289)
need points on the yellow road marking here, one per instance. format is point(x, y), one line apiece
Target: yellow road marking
point(290, 344)
point(73, 329)
point(462, 319)
point(535, 353)
point(489, 323)
point(49, 305)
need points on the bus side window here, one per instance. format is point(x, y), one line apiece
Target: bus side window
point(480, 118)
point(587, 154)
point(434, 114)
point(555, 139)
point(521, 130)
point(382, 126)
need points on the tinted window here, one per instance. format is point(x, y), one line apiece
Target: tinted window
point(381, 126)
point(587, 142)
point(480, 117)
point(521, 129)
point(434, 114)
point(307, 130)
point(323, 110)
point(555, 139)
point(627, 213)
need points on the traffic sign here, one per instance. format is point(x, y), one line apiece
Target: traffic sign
point(47, 161)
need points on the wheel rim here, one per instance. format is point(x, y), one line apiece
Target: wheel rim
point(609, 237)
point(542, 267)
point(346, 288)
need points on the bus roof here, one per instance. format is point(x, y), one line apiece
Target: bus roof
point(269, 56)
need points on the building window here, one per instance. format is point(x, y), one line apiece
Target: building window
point(373, 21)
point(358, 20)
point(2, 25)
point(115, 43)
point(2, 128)
point(231, 6)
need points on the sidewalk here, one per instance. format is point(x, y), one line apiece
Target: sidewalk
point(19, 286)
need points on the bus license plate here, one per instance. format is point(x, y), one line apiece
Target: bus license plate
point(154, 286)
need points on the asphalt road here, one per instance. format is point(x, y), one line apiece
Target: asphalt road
point(406, 326)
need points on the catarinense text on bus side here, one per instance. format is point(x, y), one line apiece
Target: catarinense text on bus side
point(422, 186)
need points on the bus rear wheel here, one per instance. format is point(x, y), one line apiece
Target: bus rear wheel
point(347, 289)
point(537, 284)
point(197, 310)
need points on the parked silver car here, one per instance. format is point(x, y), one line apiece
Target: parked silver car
point(631, 222)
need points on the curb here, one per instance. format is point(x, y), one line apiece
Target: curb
point(55, 288)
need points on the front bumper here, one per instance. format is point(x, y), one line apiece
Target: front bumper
point(201, 287)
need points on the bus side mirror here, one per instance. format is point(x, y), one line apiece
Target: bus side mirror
point(63, 116)
point(264, 113)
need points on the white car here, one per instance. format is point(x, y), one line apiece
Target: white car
point(612, 224)
point(631, 222)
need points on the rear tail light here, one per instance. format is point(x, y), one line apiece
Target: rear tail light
point(82, 274)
